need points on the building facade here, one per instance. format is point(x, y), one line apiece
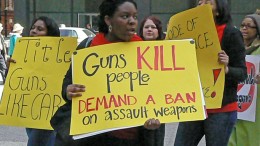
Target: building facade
point(80, 12)
point(7, 15)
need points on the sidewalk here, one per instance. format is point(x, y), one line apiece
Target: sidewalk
point(8, 143)
point(16, 136)
point(170, 134)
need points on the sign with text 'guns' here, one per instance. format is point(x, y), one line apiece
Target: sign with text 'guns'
point(128, 83)
point(198, 24)
point(32, 91)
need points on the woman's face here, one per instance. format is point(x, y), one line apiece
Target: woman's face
point(150, 32)
point(213, 5)
point(248, 29)
point(124, 23)
point(38, 29)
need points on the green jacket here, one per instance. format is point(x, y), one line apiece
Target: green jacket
point(247, 133)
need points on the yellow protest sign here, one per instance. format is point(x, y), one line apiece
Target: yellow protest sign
point(127, 83)
point(32, 91)
point(198, 24)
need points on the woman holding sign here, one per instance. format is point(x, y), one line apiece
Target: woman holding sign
point(117, 23)
point(42, 26)
point(218, 126)
point(151, 29)
point(246, 132)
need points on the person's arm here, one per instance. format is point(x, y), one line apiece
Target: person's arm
point(12, 44)
point(2, 67)
point(70, 90)
point(237, 70)
point(257, 78)
point(67, 80)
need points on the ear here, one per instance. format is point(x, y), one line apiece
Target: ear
point(107, 20)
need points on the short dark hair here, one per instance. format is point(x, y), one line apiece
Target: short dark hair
point(223, 10)
point(109, 7)
point(51, 25)
point(158, 25)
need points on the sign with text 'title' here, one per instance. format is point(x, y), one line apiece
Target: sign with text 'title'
point(198, 24)
point(32, 91)
point(128, 83)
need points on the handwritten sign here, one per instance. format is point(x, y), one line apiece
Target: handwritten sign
point(127, 83)
point(198, 23)
point(32, 91)
point(247, 90)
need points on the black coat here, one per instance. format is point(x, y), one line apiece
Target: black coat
point(232, 43)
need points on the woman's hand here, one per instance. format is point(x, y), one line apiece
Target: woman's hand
point(8, 61)
point(74, 90)
point(223, 59)
point(257, 78)
point(152, 124)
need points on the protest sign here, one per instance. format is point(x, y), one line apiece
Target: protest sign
point(198, 24)
point(247, 90)
point(128, 83)
point(32, 91)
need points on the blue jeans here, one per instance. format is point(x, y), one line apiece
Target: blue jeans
point(217, 129)
point(40, 137)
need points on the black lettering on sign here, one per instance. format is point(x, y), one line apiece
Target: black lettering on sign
point(174, 111)
point(175, 32)
point(129, 77)
point(42, 52)
point(121, 114)
point(18, 82)
point(203, 41)
point(92, 119)
point(111, 61)
point(42, 107)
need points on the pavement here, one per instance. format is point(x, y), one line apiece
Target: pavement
point(12, 136)
point(16, 136)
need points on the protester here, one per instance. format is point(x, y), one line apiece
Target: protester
point(2, 43)
point(117, 23)
point(217, 127)
point(247, 133)
point(16, 33)
point(2, 55)
point(151, 29)
point(41, 26)
point(89, 27)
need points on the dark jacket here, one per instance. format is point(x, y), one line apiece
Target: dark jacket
point(232, 44)
point(60, 122)
point(3, 68)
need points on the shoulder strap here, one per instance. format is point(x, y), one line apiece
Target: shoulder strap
point(85, 43)
point(88, 43)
